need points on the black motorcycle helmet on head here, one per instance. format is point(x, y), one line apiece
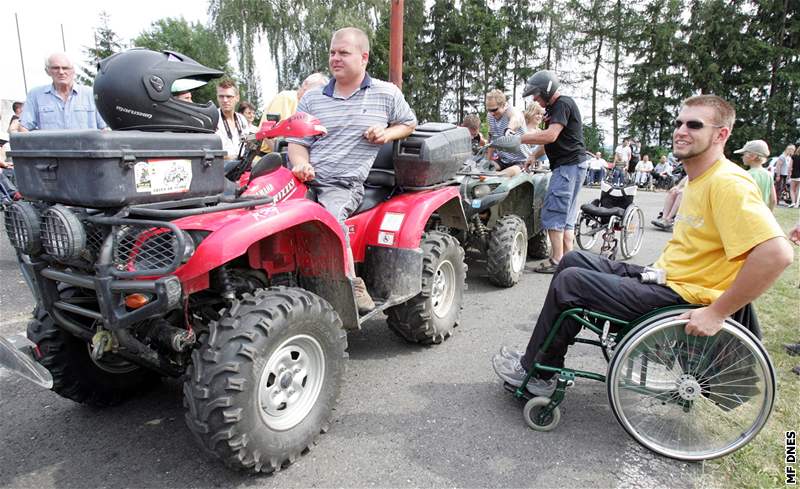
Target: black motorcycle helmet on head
point(134, 90)
point(543, 83)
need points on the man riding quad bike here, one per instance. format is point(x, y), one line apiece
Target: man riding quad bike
point(503, 215)
point(145, 266)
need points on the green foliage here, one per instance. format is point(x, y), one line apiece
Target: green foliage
point(106, 43)
point(194, 40)
point(593, 136)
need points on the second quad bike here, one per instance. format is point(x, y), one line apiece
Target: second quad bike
point(145, 266)
point(504, 217)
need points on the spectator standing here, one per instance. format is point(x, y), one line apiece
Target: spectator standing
point(782, 169)
point(232, 126)
point(597, 167)
point(473, 124)
point(534, 115)
point(361, 114)
point(62, 104)
point(248, 110)
point(285, 103)
point(13, 125)
point(622, 156)
point(635, 156)
point(562, 141)
point(794, 179)
point(754, 155)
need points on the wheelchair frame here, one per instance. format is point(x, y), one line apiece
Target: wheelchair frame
point(542, 413)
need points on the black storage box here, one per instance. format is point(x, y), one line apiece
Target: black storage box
point(432, 154)
point(91, 168)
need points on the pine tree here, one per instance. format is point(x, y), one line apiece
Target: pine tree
point(106, 43)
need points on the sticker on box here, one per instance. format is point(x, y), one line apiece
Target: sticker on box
point(163, 176)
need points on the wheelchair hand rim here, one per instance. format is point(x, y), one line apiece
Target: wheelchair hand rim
point(661, 400)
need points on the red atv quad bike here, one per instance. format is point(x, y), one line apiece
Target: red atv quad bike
point(241, 291)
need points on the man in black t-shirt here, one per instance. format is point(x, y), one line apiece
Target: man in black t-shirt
point(562, 141)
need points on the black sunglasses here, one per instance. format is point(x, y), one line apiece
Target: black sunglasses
point(494, 110)
point(693, 125)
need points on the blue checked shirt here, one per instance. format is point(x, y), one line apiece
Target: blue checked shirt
point(45, 110)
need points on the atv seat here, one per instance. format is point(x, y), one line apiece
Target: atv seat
point(380, 182)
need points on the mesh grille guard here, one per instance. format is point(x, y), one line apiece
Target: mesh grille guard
point(142, 247)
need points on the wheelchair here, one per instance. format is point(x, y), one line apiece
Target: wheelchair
point(614, 212)
point(685, 397)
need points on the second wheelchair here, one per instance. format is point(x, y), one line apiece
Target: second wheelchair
point(613, 214)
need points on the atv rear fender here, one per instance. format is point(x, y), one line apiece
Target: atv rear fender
point(401, 221)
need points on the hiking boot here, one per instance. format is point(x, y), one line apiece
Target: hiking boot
point(510, 354)
point(513, 373)
point(363, 300)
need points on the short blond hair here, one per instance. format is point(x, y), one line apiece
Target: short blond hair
point(359, 37)
point(497, 96)
point(725, 113)
point(472, 121)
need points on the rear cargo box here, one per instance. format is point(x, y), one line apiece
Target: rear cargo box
point(431, 155)
point(100, 169)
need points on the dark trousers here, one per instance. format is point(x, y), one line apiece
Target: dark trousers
point(587, 280)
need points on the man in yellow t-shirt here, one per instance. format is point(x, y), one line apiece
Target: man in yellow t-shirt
point(726, 250)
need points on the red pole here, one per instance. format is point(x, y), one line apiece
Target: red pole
point(396, 44)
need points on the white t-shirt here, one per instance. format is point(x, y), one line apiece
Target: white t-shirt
point(232, 134)
point(646, 166)
point(597, 164)
point(623, 153)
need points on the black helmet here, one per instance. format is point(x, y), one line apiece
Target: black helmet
point(543, 83)
point(134, 90)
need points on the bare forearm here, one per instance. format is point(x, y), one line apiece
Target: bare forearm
point(547, 136)
point(399, 131)
point(298, 154)
point(762, 267)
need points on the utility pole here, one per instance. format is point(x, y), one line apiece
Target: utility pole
point(21, 61)
point(396, 44)
point(63, 42)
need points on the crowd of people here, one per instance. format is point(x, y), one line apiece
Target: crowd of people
point(730, 270)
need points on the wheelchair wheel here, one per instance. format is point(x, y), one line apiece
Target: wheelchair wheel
point(632, 231)
point(688, 397)
point(586, 229)
point(533, 410)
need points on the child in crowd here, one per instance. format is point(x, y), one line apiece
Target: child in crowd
point(754, 155)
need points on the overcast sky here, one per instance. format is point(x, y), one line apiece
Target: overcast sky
point(40, 24)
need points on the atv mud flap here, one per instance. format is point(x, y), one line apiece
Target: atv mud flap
point(19, 360)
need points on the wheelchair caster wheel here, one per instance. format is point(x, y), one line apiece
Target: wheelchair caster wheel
point(533, 414)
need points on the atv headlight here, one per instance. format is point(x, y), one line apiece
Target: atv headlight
point(481, 191)
point(63, 235)
point(22, 227)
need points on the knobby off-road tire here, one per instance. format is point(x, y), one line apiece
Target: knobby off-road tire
point(263, 386)
point(430, 316)
point(508, 247)
point(539, 246)
point(76, 376)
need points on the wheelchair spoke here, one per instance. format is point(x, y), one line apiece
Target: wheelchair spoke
point(701, 397)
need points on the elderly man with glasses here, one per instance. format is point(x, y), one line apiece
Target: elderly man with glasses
point(726, 250)
point(62, 104)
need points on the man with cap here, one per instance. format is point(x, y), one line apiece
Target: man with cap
point(754, 155)
point(562, 141)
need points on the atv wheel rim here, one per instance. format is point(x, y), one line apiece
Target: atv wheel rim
point(518, 251)
point(443, 291)
point(291, 382)
point(112, 363)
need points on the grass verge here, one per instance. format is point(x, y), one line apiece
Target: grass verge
point(761, 462)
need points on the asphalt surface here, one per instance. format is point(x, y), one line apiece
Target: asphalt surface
point(408, 416)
